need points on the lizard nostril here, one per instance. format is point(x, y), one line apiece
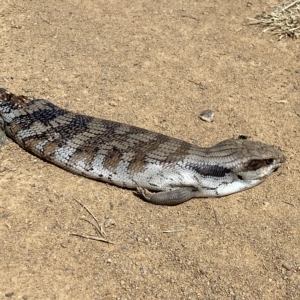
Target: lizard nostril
point(269, 161)
point(240, 177)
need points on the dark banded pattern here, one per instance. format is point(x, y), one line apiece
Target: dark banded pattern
point(133, 157)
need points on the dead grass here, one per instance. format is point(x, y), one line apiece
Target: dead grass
point(283, 21)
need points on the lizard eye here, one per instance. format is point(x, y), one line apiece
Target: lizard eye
point(255, 164)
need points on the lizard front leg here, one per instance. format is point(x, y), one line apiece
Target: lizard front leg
point(172, 197)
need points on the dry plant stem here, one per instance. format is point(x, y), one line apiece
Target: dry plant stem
point(291, 5)
point(284, 22)
point(92, 237)
point(174, 230)
point(98, 227)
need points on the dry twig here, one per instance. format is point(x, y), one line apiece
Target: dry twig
point(97, 225)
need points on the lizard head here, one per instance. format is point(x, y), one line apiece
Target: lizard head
point(258, 160)
point(248, 163)
point(253, 163)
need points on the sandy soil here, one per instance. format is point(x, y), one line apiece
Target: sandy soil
point(154, 64)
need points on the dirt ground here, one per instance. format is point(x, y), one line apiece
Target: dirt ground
point(157, 65)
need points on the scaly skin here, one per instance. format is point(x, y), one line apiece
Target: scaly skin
point(132, 157)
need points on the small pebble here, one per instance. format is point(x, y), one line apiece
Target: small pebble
point(207, 115)
point(10, 294)
point(287, 266)
point(63, 245)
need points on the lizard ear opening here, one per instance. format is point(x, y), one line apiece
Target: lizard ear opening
point(269, 161)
